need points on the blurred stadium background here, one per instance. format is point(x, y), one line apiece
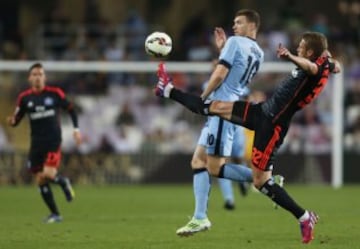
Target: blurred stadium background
point(132, 136)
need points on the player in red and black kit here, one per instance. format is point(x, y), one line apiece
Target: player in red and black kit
point(270, 119)
point(42, 104)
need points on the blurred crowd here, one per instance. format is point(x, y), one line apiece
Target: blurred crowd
point(118, 112)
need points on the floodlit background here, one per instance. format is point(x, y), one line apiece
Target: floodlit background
point(132, 136)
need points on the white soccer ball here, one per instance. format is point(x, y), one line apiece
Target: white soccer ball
point(158, 44)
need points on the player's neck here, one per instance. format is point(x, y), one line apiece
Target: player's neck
point(38, 89)
point(251, 35)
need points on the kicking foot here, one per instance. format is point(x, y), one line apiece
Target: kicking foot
point(164, 84)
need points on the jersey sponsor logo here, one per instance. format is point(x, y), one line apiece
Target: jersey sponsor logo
point(40, 108)
point(48, 101)
point(42, 114)
point(30, 104)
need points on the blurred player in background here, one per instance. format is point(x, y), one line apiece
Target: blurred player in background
point(271, 119)
point(239, 60)
point(42, 104)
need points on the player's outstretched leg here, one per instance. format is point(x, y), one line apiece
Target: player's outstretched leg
point(165, 89)
point(307, 219)
point(66, 186)
point(227, 193)
point(199, 222)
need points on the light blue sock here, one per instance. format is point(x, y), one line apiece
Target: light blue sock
point(201, 185)
point(236, 172)
point(226, 189)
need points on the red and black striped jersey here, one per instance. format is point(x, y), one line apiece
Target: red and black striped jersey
point(296, 91)
point(43, 110)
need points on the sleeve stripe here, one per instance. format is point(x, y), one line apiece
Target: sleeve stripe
point(21, 96)
point(56, 90)
point(225, 63)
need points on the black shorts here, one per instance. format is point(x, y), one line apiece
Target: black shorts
point(268, 135)
point(44, 153)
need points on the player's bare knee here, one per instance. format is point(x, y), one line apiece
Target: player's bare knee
point(197, 163)
point(260, 176)
point(49, 172)
point(39, 179)
point(258, 182)
point(214, 171)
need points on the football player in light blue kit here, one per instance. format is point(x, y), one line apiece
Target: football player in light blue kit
point(239, 61)
point(237, 155)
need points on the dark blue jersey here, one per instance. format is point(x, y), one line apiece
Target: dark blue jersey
point(296, 91)
point(43, 109)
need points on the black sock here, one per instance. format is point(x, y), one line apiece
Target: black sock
point(282, 198)
point(60, 180)
point(48, 198)
point(191, 102)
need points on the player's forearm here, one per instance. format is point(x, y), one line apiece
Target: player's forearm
point(17, 121)
point(74, 118)
point(214, 83)
point(335, 66)
point(303, 63)
point(17, 117)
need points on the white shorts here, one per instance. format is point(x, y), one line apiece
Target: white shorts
point(222, 138)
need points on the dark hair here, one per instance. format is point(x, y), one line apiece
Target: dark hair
point(251, 16)
point(315, 41)
point(35, 65)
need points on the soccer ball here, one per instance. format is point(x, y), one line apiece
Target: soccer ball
point(158, 44)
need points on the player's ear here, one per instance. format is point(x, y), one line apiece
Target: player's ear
point(252, 26)
point(309, 53)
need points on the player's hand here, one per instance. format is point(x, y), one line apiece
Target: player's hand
point(282, 52)
point(10, 120)
point(220, 37)
point(337, 67)
point(77, 137)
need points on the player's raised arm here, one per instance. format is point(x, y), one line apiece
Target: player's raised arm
point(300, 61)
point(219, 38)
point(226, 59)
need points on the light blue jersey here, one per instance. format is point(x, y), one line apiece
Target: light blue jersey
point(242, 56)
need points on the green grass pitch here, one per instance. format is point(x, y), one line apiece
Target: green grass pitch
point(146, 217)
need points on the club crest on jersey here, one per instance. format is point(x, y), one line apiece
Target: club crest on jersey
point(30, 104)
point(294, 72)
point(48, 101)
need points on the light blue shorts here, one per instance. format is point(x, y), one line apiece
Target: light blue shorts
point(222, 138)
